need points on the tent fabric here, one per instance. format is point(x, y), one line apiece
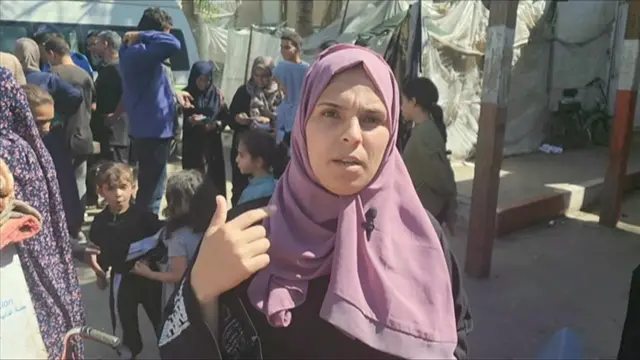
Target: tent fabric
point(546, 38)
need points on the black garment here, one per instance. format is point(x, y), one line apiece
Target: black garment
point(113, 137)
point(109, 92)
point(245, 334)
point(131, 294)
point(114, 234)
point(630, 342)
point(240, 104)
point(202, 148)
point(78, 135)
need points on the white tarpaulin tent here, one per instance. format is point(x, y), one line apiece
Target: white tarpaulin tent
point(453, 58)
point(266, 41)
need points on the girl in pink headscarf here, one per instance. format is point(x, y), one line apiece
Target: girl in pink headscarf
point(353, 267)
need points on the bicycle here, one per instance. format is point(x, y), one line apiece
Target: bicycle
point(87, 332)
point(573, 126)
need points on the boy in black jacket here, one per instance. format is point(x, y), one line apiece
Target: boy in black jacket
point(125, 234)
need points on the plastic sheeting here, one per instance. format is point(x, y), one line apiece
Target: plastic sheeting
point(238, 59)
point(453, 60)
point(453, 57)
point(362, 16)
point(580, 49)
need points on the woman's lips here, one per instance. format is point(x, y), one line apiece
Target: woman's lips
point(348, 162)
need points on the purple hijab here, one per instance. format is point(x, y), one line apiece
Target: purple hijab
point(393, 291)
point(46, 258)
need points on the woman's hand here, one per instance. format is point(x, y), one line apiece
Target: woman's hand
point(263, 120)
point(230, 252)
point(196, 119)
point(243, 119)
point(7, 191)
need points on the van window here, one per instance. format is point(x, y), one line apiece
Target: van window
point(76, 36)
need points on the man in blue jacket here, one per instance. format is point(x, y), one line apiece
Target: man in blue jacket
point(149, 101)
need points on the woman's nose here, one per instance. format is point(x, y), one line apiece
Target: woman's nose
point(353, 131)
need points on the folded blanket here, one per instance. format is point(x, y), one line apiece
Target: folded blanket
point(16, 230)
point(18, 222)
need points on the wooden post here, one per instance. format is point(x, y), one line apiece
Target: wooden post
point(491, 128)
point(611, 197)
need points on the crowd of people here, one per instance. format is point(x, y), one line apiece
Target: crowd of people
point(333, 246)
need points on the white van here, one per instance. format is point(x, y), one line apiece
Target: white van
point(76, 19)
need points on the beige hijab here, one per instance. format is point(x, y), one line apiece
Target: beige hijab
point(28, 54)
point(12, 64)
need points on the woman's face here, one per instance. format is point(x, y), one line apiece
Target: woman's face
point(261, 77)
point(408, 108)
point(203, 82)
point(347, 133)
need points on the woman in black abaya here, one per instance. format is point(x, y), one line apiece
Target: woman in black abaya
point(202, 142)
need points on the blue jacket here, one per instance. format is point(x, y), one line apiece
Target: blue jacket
point(65, 96)
point(148, 96)
point(79, 59)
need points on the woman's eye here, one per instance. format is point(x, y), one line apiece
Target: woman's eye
point(372, 120)
point(330, 113)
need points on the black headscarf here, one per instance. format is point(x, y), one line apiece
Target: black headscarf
point(209, 101)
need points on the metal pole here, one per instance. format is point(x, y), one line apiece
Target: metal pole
point(246, 65)
point(344, 17)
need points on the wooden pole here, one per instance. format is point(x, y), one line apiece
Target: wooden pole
point(491, 128)
point(629, 76)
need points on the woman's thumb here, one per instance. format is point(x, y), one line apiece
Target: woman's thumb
point(220, 216)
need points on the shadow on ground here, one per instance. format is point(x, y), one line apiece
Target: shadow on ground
point(568, 273)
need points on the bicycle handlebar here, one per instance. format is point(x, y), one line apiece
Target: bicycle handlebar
point(100, 336)
point(88, 332)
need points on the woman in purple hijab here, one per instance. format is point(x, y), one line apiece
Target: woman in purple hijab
point(347, 263)
point(46, 258)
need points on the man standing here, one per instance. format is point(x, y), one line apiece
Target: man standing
point(115, 140)
point(44, 33)
point(149, 101)
point(289, 74)
point(78, 137)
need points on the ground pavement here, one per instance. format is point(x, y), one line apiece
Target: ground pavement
point(567, 273)
point(571, 272)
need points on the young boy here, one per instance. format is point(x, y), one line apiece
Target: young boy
point(42, 108)
point(118, 231)
point(289, 73)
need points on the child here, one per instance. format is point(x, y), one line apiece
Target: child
point(190, 207)
point(42, 108)
point(260, 157)
point(119, 228)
